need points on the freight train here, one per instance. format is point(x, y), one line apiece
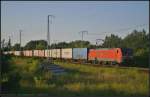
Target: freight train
point(100, 55)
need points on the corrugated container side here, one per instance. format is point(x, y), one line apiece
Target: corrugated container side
point(24, 53)
point(56, 53)
point(41, 53)
point(35, 52)
point(17, 53)
point(47, 53)
point(30, 53)
point(27, 53)
point(66, 53)
point(80, 53)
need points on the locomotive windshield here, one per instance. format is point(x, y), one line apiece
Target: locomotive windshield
point(127, 52)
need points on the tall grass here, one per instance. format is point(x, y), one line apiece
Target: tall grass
point(128, 81)
point(79, 79)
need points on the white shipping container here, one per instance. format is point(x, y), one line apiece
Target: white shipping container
point(35, 52)
point(27, 53)
point(56, 53)
point(67, 53)
point(41, 53)
point(24, 53)
point(47, 53)
point(17, 53)
point(30, 52)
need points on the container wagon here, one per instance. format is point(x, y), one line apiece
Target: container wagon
point(56, 53)
point(66, 53)
point(28, 53)
point(80, 54)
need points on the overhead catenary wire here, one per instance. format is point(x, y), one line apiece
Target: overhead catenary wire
point(119, 30)
point(82, 34)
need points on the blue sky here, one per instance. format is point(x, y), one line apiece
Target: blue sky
point(71, 17)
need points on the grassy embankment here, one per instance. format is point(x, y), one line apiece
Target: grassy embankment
point(22, 75)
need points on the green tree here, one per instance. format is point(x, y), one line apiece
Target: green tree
point(112, 41)
point(136, 40)
point(9, 44)
point(62, 45)
point(79, 44)
point(139, 42)
point(41, 44)
point(37, 44)
point(16, 47)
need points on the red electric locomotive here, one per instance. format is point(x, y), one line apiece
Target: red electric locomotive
point(112, 55)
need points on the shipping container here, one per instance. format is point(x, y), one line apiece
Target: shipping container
point(56, 53)
point(35, 53)
point(41, 53)
point(24, 53)
point(16, 53)
point(66, 53)
point(48, 53)
point(27, 53)
point(30, 52)
point(80, 53)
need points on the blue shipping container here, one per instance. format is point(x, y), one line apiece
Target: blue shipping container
point(80, 53)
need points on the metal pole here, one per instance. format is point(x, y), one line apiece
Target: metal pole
point(48, 34)
point(12, 40)
point(83, 32)
point(48, 37)
point(82, 36)
point(20, 39)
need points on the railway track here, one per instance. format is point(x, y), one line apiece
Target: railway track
point(145, 70)
point(55, 69)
